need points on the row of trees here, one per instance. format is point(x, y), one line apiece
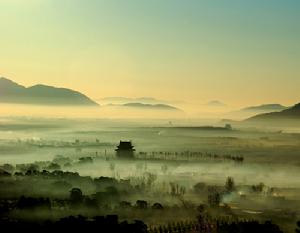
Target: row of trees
point(217, 225)
point(108, 224)
point(187, 155)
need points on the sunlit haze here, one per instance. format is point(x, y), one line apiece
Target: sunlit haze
point(238, 52)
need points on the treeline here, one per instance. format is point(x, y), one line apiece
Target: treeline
point(59, 190)
point(108, 224)
point(217, 226)
point(188, 156)
point(111, 224)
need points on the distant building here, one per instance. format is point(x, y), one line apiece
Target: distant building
point(125, 150)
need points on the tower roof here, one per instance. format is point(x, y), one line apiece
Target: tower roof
point(125, 145)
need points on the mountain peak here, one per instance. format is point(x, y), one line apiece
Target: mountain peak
point(297, 106)
point(265, 108)
point(12, 92)
point(289, 113)
point(5, 82)
point(216, 103)
point(3, 79)
point(293, 110)
point(151, 106)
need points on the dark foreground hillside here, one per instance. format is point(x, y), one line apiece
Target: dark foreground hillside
point(110, 224)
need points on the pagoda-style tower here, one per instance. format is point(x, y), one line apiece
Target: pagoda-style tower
point(125, 150)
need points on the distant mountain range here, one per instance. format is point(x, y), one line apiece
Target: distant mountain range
point(125, 100)
point(151, 106)
point(11, 92)
point(292, 113)
point(250, 111)
point(216, 103)
point(265, 108)
point(142, 106)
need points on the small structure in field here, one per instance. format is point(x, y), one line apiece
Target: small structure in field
point(125, 150)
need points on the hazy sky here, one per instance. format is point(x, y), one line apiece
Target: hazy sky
point(237, 51)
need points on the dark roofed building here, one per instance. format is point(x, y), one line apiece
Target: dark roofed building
point(125, 149)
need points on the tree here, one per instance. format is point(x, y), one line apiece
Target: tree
point(53, 166)
point(258, 188)
point(199, 187)
point(157, 206)
point(141, 204)
point(228, 126)
point(76, 196)
point(214, 198)
point(298, 227)
point(229, 185)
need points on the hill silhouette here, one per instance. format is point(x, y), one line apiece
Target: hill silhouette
point(216, 103)
point(11, 92)
point(151, 106)
point(265, 108)
point(292, 113)
point(125, 100)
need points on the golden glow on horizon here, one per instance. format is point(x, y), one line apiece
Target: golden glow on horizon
point(175, 52)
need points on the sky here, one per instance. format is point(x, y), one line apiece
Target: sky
point(237, 51)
